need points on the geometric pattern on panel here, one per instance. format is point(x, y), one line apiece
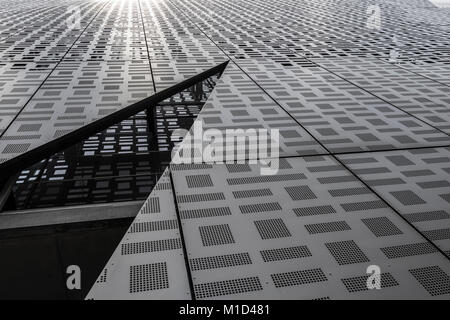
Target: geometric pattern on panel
point(341, 246)
point(147, 274)
point(415, 182)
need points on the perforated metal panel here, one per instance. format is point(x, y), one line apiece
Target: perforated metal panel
point(238, 103)
point(83, 74)
point(423, 98)
point(149, 262)
point(341, 114)
point(311, 69)
point(295, 255)
point(415, 182)
point(260, 29)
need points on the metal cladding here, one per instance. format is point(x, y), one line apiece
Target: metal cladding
point(360, 94)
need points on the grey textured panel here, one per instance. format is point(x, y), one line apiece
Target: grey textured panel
point(358, 284)
point(75, 94)
point(439, 72)
point(433, 279)
point(229, 260)
point(18, 82)
point(149, 262)
point(238, 103)
point(342, 116)
point(176, 36)
point(295, 26)
point(303, 246)
point(116, 33)
point(48, 38)
point(172, 36)
point(275, 29)
point(98, 68)
point(424, 98)
point(15, 15)
point(256, 228)
point(415, 182)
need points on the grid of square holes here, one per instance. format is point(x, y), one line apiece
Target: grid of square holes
point(148, 277)
point(408, 198)
point(151, 246)
point(224, 261)
point(201, 197)
point(357, 284)
point(433, 279)
point(313, 211)
point(152, 205)
point(346, 226)
point(413, 181)
point(427, 216)
point(228, 287)
point(382, 226)
point(260, 207)
point(215, 235)
point(252, 193)
point(237, 167)
point(149, 226)
point(364, 205)
point(199, 181)
point(325, 227)
point(346, 252)
point(205, 213)
point(438, 234)
point(408, 250)
point(300, 193)
point(103, 275)
point(295, 278)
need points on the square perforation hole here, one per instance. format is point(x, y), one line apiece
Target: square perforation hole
point(223, 261)
point(382, 226)
point(433, 279)
point(148, 277)
point(346, 252)
point(285, 253)
point(295, 278)
point(272, 228)
point(215, 235)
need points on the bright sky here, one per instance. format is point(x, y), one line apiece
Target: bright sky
point(441, 3)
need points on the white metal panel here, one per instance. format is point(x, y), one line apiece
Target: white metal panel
point(149, 261)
